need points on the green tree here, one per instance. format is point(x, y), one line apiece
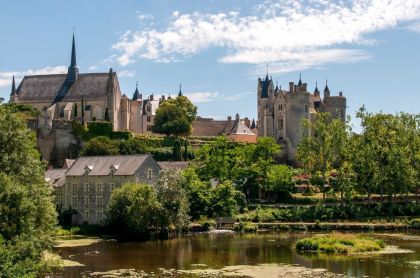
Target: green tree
point(198, 193)
point(27, 213)
point(100, 145)
point(225, 200)
point(132, 146)
point(135, 212)
point(173, 198)
point(320, 148)
point(175, 117)
point(279, 179)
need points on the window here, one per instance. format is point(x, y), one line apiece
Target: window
point(74, 188)
point(86, 201)
point(149, 174)
point(99, 187)
point(281, 124)
point(87, 214)
point(306, 108)
point(74, 201)
point(148, 108)
point(99, 200)
point(148, 119)
point(280, 107)
point(111, 187)
point(99, 214)
point(86, 187)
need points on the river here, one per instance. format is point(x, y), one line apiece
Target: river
point(215, 251)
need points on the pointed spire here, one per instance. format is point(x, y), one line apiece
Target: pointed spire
point(136, 94)
point(300, 79)
point(326, 90)
point(13, 92)
point(253, 125)
point(277, 87)
point(180, 90)
point(316, 91)
point(73, 70)
point(73, 53)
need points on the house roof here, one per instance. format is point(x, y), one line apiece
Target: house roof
point(173, 165)
point(47, 87)
point(210, 127)
point(124, 165)
point(55, 177)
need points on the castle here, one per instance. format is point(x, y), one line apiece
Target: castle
point(86, 97)
point(280, 112)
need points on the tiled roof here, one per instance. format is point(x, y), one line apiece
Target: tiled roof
point(55, 177)
point(125, 165)
point(46, 87)
point(210, 127)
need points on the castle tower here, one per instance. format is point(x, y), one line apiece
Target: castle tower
point(265, 102)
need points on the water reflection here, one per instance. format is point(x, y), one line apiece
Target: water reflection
point(220, 250)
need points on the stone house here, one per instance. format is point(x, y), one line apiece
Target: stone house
point(89, 182)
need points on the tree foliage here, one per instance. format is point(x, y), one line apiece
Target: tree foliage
point(27, 213)
point(100, 145)
point(175, 117)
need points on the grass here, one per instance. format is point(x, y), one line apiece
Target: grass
point(339, 243)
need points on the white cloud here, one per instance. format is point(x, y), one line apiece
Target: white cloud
point(414, 26)
point(126, 73)
point(6, 76)
point(200, 97)
point(299, 34)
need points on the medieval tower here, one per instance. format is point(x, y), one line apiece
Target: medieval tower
point(280, 112)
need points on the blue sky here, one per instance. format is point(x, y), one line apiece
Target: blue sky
point(217, 49)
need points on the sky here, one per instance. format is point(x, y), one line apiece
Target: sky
point(217, 49)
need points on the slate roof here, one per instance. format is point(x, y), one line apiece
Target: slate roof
point(210, 127)
point(240, 128)
point(173, 165)
point(55, 177)
point(46, 87)
point(126, 165)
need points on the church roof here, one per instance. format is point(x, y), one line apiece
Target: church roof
point(47, 87)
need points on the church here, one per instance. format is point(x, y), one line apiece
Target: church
point(86, 97)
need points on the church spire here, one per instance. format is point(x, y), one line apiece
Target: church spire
point(180, 90)
point(73, 70)
point(300, 80)
point(73, 53)
point(136, 94)
point(13, 92)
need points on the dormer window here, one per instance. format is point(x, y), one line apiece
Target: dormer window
point(113, 169)
point(148, 108)
point(88, 169)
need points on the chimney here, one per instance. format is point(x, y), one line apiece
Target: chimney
point(340, 93)
point(247, 122)
point(291, 86)
point(151, 97)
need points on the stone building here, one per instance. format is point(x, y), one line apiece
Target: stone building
point(238, 130)
point(86, 186)
point(280, 112)
point(85, 97)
